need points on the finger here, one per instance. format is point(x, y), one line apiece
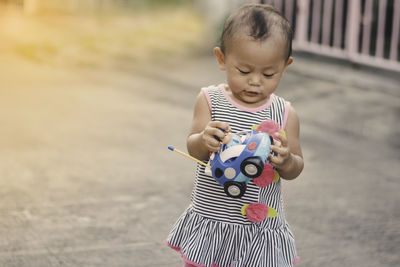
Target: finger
point(221, 125)
point(209, 141)
point(218, 134)
point(275, 161)
point(280, 151)
point(277, 143)
point(227, 138)
point(214, 132)
point(213, 143)
point(213, 149)
point(282, 139)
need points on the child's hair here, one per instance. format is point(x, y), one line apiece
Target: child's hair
point(258, 21)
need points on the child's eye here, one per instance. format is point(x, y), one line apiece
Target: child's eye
point(268, 75)
point(243, 72)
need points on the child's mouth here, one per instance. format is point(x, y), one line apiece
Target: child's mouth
point(251, 94)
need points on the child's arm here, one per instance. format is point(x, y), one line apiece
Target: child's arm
point(201, 140)
point(288, 158)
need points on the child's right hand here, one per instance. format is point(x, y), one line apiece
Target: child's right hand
point(213, 131)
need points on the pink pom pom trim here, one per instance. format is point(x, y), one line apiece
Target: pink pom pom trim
point(270, 127)
point(266, 177)
point(256, 212)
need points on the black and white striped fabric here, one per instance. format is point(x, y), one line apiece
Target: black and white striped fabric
point(212, 231)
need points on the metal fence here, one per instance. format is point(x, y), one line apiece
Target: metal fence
point(362, 31)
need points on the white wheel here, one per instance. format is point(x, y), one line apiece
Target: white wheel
point(251, 169)
point(230, 173)
point(234, 190)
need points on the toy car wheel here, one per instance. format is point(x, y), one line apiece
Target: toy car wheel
point(252, 167)
point(235, 189)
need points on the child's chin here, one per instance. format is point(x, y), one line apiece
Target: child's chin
point(251, 99)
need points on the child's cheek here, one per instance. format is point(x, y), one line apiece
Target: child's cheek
point(237, 82)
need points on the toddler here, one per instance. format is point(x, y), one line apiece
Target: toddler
point(215, 230)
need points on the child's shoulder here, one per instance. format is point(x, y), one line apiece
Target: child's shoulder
point(212, 93)
point(213, 88)
point(279, 98)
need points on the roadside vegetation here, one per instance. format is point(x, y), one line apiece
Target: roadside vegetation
point(98, 39)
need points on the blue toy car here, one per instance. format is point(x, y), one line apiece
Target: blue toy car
point(240, 160)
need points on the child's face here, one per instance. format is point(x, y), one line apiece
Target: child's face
point(253, 68)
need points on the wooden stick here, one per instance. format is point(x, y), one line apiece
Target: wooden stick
point(188, 156)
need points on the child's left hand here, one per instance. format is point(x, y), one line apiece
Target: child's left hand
point(281, 154)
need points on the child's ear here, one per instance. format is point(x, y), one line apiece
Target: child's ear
point(289, 61)
point(220, 57)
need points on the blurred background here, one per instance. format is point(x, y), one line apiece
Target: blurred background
point(93, 91)
point(363, 31)
point(98, 33)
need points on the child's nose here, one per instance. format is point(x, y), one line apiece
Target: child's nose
point(255, 80)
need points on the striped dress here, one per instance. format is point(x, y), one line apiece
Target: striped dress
point(213, 232)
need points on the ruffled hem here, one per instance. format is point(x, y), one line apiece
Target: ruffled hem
point(205, 242)
point(183, 256)
point(296, 260)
